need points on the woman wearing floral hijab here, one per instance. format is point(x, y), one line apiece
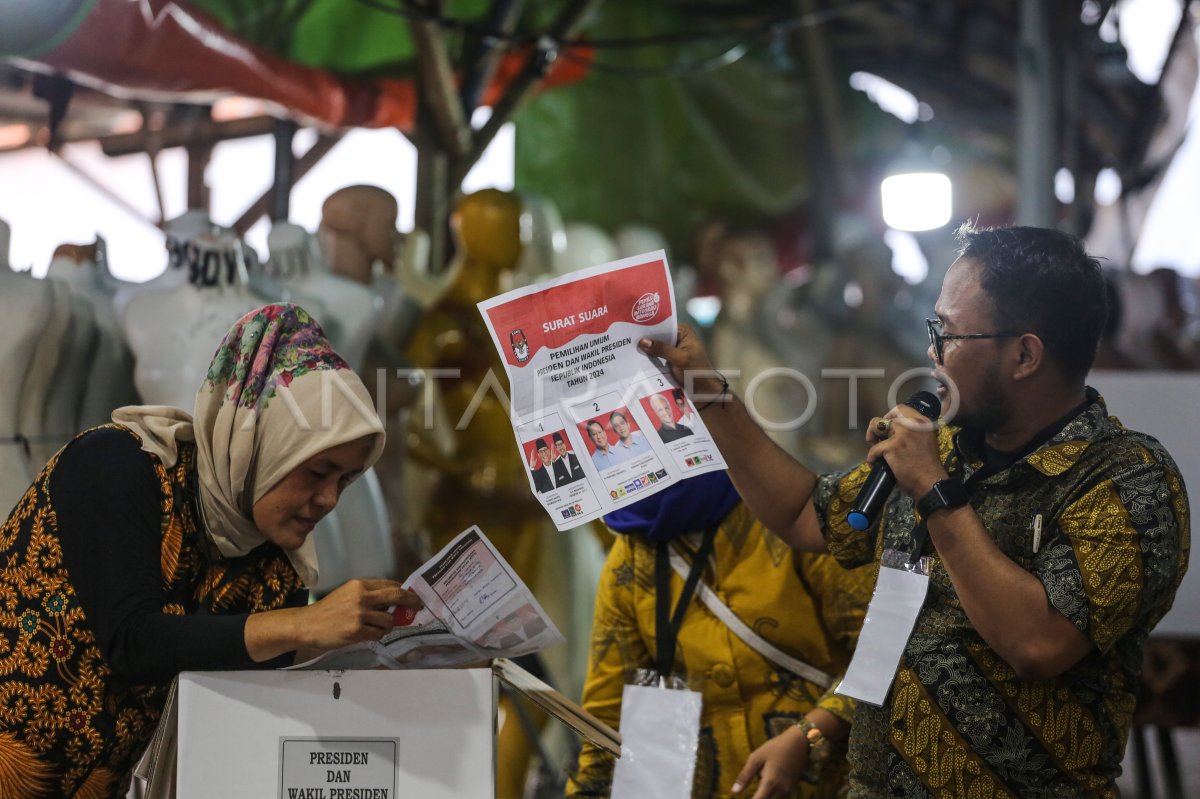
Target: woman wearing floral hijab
point(165, 542)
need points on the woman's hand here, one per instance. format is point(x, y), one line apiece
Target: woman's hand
point(778, 764)
point(355, 611)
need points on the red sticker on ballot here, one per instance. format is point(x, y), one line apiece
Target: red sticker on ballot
point(402, 616)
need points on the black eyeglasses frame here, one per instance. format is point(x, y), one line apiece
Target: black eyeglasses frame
point(938, 339)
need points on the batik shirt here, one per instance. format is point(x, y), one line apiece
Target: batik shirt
point(807, 605)
point(70, 724)
point(958, 721)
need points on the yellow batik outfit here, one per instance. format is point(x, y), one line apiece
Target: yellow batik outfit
point(807, 605)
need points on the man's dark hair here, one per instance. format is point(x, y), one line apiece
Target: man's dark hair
point(617, 413)
point(677, 394)
point(593, 422)
point(1041, 281)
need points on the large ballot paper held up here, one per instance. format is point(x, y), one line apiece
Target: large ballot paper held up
point(598, 423)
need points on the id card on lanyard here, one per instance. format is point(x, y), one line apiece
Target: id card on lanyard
point(660, 723)
point(899, 595)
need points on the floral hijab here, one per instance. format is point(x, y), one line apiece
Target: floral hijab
point(276, 394)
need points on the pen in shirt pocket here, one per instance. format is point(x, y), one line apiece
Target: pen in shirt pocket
point(1037, 531)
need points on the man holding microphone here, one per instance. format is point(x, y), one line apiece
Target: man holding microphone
point(1055, 538)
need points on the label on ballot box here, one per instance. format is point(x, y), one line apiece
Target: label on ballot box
point(338, 768)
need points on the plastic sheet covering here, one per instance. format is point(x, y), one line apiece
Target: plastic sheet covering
point(343, 36)
point(33, 27)
point(669, 150)
point(157, 49)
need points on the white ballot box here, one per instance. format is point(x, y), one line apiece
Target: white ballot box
point(374, 734)
point(336, 734)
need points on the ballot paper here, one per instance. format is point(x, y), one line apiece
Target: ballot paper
point(476, 609)
point(598, 423)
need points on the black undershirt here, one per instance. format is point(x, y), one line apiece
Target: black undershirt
point(995, 460)
point(108, 502)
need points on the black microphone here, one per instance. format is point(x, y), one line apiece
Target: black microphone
point(880, 482)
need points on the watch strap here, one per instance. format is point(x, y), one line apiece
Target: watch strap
point(948, 493)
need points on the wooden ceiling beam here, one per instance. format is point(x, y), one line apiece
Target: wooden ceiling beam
point(193, 133)
point(260, 207)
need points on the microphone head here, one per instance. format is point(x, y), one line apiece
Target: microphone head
point(858, 520)
point(925, 403)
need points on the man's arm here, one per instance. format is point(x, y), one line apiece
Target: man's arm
point(1007, 605)
point(775, 486)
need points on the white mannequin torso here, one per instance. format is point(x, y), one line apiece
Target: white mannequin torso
point(189, 238)
point(23, 303)
point(174, 332)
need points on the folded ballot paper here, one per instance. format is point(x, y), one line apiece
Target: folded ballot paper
point(476, 609)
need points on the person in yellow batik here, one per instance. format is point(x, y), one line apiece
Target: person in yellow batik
point(761, 726)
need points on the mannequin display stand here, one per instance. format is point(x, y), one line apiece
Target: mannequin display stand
point(23, 303)
point(356, 536)
point(109, 374)
point(359, 242)
point(351, 310)
point(53, 347)
point(60, 419)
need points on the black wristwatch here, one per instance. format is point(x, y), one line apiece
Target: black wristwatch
point(948, 493)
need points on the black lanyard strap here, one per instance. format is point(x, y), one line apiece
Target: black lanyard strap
point(666, 625)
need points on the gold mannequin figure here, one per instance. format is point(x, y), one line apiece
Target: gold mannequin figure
point(479, 472)
point(476, 474)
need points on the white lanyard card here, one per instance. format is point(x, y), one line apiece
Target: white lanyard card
point(660, 733)
point(899, 595)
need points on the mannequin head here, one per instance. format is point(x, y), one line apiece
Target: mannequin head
point(78, 254)
point(487, 231)
point(358, 228)
point(76, 265)
point(290, 252)
point(587, 245)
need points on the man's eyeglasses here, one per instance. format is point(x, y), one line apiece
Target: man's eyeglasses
point(938, 339)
